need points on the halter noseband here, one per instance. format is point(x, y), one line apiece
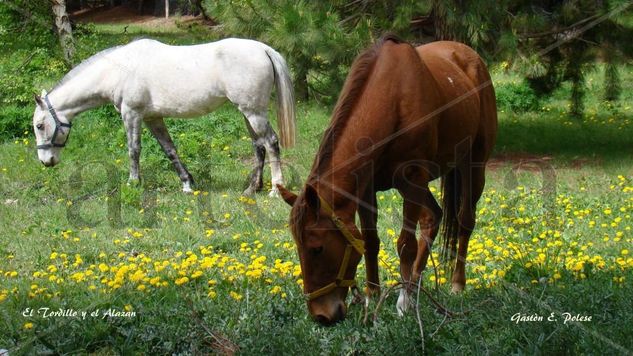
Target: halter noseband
point(353, 243)
point(58, 124)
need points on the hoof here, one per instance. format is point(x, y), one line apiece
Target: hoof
point(250, 191)
point(457, 288)
point(274, 193)
point(186, 188)
point(404, 303)
point(134, 182)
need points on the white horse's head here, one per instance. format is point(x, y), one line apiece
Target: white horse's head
point(51, 130)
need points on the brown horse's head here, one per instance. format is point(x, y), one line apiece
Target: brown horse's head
point(321, 246)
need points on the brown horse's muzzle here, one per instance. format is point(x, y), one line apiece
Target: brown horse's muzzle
point(328, 309)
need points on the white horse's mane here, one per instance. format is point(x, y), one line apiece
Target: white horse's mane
point(83, 65)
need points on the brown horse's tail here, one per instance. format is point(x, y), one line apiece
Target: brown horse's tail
point(451, 201)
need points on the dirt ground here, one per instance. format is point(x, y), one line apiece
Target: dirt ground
point(127, 15)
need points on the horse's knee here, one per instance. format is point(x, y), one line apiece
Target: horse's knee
point(466, 219)
point(134, 153)
point(272, 143)
point(407, 248)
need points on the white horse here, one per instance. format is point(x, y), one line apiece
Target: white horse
point(147, 80)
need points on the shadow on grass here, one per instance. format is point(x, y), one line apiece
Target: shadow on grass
point(607, 138)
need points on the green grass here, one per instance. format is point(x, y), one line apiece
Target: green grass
point(55, 210)
point(76, 236)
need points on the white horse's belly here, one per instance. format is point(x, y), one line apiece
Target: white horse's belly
point(184, 108)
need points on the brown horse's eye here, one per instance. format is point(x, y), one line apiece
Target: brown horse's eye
point(40, 126)
point(316, 251)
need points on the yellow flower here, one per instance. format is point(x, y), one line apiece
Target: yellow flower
point(235, 295)
point(28, 326)
point(624, 252)
point(182, 280)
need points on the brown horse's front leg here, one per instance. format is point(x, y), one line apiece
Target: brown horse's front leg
point(368, 214)
point(407, 249)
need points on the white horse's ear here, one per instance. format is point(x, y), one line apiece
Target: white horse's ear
point(39, 101)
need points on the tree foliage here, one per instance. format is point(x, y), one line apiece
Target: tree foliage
point(318, 38)
point(548, 42)
point(30, 48)
point(559, 41)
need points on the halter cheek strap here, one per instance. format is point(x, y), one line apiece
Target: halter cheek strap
point(353, 243)
point(58, 124)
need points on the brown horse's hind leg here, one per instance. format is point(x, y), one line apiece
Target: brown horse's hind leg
point(368, 215)
point(429, 224)
point(472, 186)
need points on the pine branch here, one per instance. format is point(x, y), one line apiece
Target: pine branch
point(567, 32)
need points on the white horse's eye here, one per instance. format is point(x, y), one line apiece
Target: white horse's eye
point(40, 126)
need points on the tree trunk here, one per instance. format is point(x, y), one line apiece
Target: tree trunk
point(197, 5)
point(166, 9)
point(64, 30)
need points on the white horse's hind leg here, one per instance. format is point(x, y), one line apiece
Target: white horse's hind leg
point(266, 136)
point(257, 177)
point(159, 131)
point(272, 146)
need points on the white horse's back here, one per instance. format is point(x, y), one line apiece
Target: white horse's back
point(188, 81)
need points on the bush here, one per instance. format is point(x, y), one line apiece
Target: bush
point(516, 97)
point(14, 121)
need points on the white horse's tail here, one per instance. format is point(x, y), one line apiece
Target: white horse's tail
point(285, 98)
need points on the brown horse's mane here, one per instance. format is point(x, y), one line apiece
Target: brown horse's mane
point(351, 92)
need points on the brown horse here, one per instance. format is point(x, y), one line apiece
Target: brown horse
point(405, 117)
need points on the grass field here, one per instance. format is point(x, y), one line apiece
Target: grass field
point(158, 271)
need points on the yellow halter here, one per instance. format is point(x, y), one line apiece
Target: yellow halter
point(353, 244)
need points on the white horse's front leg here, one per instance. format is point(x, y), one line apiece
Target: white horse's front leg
point(159, 130)
point(132, 122)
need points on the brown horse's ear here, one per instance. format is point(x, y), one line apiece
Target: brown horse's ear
point(312, 197)
point(288, 196)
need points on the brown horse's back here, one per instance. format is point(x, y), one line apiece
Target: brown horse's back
point(468, 100)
